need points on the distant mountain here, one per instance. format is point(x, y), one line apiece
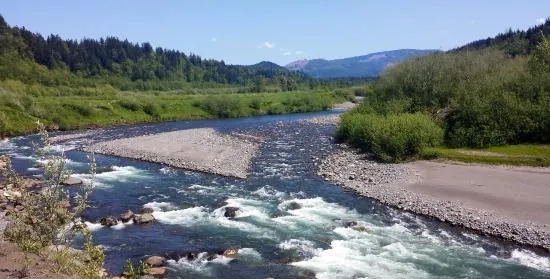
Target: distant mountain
point(370, 65)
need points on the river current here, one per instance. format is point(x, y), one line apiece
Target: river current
point(274, 238)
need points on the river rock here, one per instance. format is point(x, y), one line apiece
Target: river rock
point(155, 261)
point(146, 210)
point(144, 218)
point(157, 272)
point(72, 181)
point(231, 252)
point(126, 216)
point(108, 221)
point(293, 206)
point(230, 211)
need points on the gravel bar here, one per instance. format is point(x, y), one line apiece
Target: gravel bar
point(203, 149)
point(417, 187)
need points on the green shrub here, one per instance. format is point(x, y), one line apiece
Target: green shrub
point(390, 138)
point(223, 107)
point(152, 109)
point(129, 105)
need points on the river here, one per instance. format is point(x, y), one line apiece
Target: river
point(274, 238)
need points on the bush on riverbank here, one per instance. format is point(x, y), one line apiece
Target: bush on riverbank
point(479, 99)
point(391, 138)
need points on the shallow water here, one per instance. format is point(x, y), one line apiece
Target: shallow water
point(189, 210)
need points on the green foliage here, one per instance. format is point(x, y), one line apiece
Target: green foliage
point(129, 104)
point(222, 107)
point(482, 98)
point(391, 138)
point(135, 271)
point(51, 218)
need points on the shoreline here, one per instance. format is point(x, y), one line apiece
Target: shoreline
point(406, 187)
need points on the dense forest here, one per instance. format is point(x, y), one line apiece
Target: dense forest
point(519, 42)
point(485, 94)
point(128, 65)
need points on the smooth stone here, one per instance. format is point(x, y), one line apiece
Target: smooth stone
point(72, 181)
point(156, 271)
point(126, 216)
point(155, 261)
point(144, 218)
point(108, 221)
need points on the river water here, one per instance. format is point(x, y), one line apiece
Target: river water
point(274, 238)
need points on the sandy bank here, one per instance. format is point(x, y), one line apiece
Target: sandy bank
point(508, 202)
point(202, 149)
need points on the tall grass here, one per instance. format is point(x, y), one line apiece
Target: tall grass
point(22, 104)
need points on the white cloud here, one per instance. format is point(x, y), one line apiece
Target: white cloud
point(214, 39)
point(287, 53)
point(298, 52)
point(266, 44)
point(541, 20)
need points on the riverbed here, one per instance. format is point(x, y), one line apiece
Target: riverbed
point(276, 238)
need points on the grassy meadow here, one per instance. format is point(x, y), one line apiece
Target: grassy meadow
point(67, 108)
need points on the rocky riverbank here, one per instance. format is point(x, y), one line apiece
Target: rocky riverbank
point(394, 185)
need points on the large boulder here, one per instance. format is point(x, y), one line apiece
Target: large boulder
point(72, 181)
point(127, 216)
point(144, 218)
point(155, 261)
point(108, 221)
point(230, 211)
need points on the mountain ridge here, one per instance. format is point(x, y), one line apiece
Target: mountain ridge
point(368, 65)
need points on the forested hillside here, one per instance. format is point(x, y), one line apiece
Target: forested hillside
point(126, 65)
point(519, 42)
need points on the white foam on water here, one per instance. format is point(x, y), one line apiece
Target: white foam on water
point(200, 216)
point(351, 259)
point(268, 192)
point(200, 264)
point(199, 188)
point(433, 238)
point(185, 217)
point(122, 174)
point(531, 259)
point(314, 212)
point(93, 226)
point(445, 234)
point(305, 246)
point(247, 207)
point(122, 225)
point(160, 206)
point(33, 169)
point(7, 145)
point(167, 170)
point(62, 147)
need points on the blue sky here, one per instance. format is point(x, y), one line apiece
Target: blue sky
point(249, 31)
